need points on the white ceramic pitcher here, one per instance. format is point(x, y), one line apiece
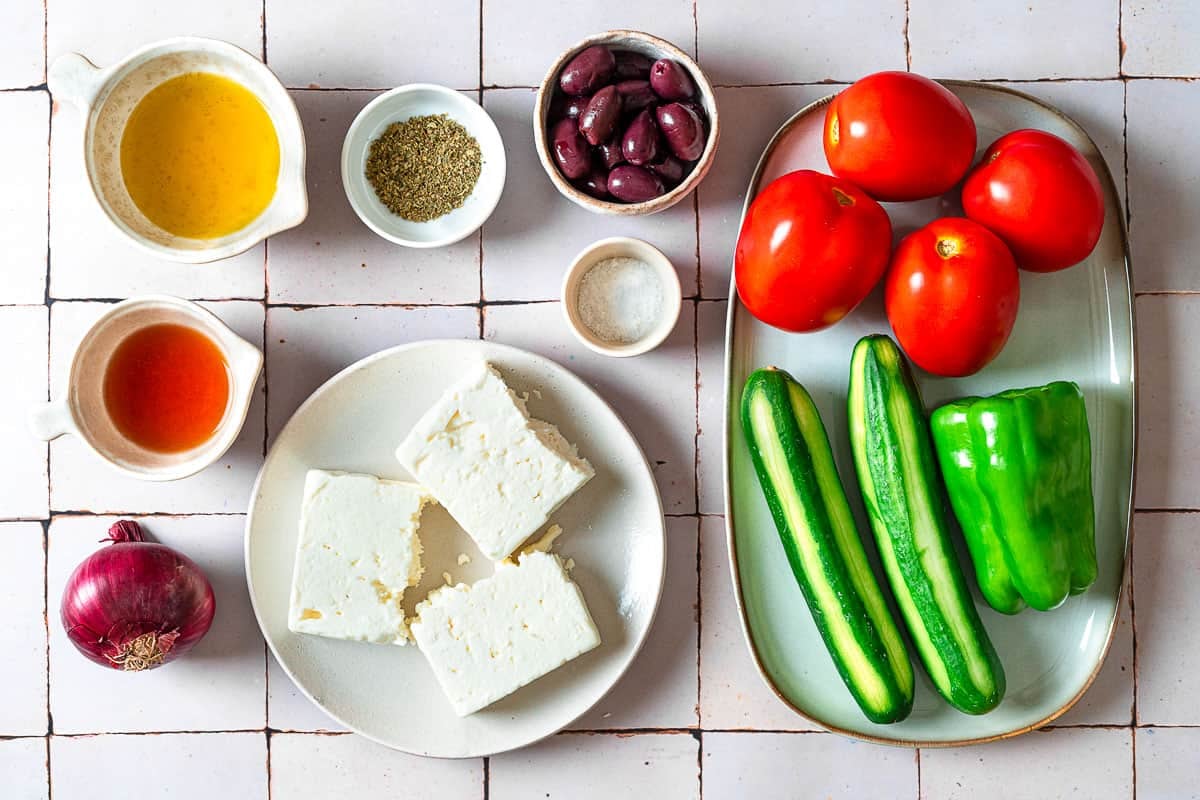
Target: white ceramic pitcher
point(106, 97)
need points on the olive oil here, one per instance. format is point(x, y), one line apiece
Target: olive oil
point(200, 156)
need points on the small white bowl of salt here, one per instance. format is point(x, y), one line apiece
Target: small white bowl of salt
point(621, 297)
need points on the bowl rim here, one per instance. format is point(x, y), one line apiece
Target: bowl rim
point(672, 296)
point(545, 94)
point(456, 99)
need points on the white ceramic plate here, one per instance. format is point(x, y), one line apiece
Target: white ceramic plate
point(1072, 325)
point(613, 528)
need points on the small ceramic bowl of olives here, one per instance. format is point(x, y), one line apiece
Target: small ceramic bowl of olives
point(625, 123)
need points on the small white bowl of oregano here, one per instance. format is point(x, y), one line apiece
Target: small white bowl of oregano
point(423, 165)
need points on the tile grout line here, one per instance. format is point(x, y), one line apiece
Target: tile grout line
point(1133, 620)
point(690, 730)
point(46, 619)
point(1121, 37)
point(46, 288)
point(907, 59)
point(300, 306)
point(479, 233)
point(46, 303)
point(1133, 761)
point(1125, 160)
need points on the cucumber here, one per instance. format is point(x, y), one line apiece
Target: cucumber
point(795, 466)
point(905, 501)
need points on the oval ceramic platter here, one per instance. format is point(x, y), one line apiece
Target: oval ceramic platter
point(1074, 325)
point(613, 528)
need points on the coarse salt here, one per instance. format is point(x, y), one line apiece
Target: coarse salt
point(620, 299)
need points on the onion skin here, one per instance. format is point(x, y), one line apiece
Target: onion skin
point(136, 605)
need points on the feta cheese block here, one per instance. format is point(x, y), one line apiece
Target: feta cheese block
point(357, 553)
point(489, 639)
point(499, 473)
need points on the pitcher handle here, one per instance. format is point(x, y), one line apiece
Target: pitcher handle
point(75, 79)
point(50, 420)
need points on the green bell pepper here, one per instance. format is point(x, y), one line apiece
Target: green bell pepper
point(1018, 470)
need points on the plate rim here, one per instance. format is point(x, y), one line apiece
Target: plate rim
point(367, 361)
point(1110, 187)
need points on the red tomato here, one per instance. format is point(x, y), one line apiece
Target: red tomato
point(1041, 196)
point(899, 136)
point(811, 248)
point(951, 296)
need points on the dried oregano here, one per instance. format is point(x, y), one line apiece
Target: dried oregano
point(424, 167)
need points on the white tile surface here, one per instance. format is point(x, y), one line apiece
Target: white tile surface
point(660, 689)
point(305, 347)
point(535, 233)
point(80, 481)
point(195, 766)
point(1166, 552)
point(333, 257)
point(588, 766)
point(1035, 39)
point(375, 44)
point(1168, 435)
point(1163, 201)
point(1167, 766)
point(1109, 701)
point(803, 766)
point(521, 40)
point(732, 693)
point(24, 767)
point(24, 150)
point(218, 685)
point(23, 636)
point(1092, 763)
point(23, 58)
point(780, 54)
point(662, 420)
point(710, 438)
point(230, 682)
point(317, 766)
point(23, 491)
point(758, 113)
point(288, 709)
point(90, 258)
point(1160, 37)
point(107, 32)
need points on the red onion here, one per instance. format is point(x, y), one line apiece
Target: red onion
point(136, 605)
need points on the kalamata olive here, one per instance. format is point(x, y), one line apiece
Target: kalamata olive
point(610, 153)
point(669, 168)
point(631, 65)
point(671, 81)
point(639, 145)
point(566, 106)
point(588, 71)
point(683, 130)
point(595, 183)
point(694, 106)
point(570, 149)
point(634, 184)
point(636, 95)
point(599, 119)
